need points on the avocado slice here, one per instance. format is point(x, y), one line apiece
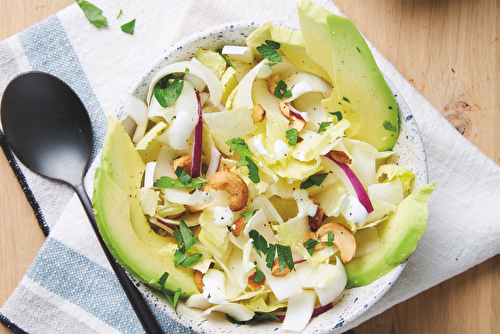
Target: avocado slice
point(398, 237)
point(291, 45)
point(122, 224)
point(147, 264)
point(121, 161)
point(360, 90)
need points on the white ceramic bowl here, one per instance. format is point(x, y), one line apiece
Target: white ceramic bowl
point(352, 303)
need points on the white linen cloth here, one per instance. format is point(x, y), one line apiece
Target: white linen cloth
point(63, 292)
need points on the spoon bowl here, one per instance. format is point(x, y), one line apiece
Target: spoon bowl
point(48, 128)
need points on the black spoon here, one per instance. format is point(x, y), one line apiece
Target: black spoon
point(48, 128)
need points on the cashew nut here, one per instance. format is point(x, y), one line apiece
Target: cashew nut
point(255, 285)
point(312, 235)
point(234, 185)
point(238, 226)
point(315, 222)
point(285, 111)
point(184, 162)
point(343, 239)
point(258, 113)
point(277, 272)
point(340, 156)
point(198, 280)
point(272, 82)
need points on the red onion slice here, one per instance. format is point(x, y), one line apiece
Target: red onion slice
point(358, 187)
point(197, 142)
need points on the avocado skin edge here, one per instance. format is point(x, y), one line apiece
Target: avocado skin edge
point(398, 237)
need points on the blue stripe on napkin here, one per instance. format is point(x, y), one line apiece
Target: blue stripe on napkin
point(91, 287)
point(84, 283)
point(48, 49)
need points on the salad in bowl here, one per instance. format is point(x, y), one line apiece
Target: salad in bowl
point(268, 179)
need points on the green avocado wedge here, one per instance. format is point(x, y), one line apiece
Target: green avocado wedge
point(398, 237)
point(360, 90)
point(122, 225)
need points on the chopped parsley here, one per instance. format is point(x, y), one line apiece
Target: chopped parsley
point(389, 127)
point(228, 62)
point(174, 300)
point(129, 27)
point(284, 252)
point(285, 256)
point(120, 14)
point(259, 242)
point(323, 126)
point(346, 99)
point(167, 92)
point(281, 91)
point(310, 244)
point(330, 239)
point(313, 180)
point(269, 51)
point(338, 114)
point(259, 276)
point(185, 240)
point(93, 14)
point(183, 181)
point(239, 145)
point(248, 215)
point(271, 252)
point(293, 136)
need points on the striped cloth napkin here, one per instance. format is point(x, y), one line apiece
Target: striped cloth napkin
point(70, 287)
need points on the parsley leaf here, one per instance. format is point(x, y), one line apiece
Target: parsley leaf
point(226, 59)
point(259, 277)
point(93, 14)
point(330, 239)
point(269, 51)
point(253, 170)
point(185, 240)
point(129, 27)
point(310, 244)
point(389, 127)
point(185, 260)
point(259, 242)
point(239, 145)
point(323, 126)
point(313, 180)
point(346, 99)
point(285, 256)
point(265, 317)
point(248, 215)
point(281, 90)
point(271, 252)
point(175, 299)
point(293, 136)
point(338, 114)
point(183, 181)
point(167, 92)
point(163, 278)
point(120, 14)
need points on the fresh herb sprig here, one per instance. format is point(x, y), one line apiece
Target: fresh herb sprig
point(313, 180)
point(168, 90)
point(93, 14)
point(269, 51)
point(239, 145)
point(183, 181)
point(185, 240)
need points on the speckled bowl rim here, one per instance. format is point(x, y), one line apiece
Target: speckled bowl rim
point(353, 302)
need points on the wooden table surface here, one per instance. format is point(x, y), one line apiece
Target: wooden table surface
point(447, 49)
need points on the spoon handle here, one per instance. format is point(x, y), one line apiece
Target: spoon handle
point(136, 299)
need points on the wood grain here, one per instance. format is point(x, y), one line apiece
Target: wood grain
point(449, 51)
